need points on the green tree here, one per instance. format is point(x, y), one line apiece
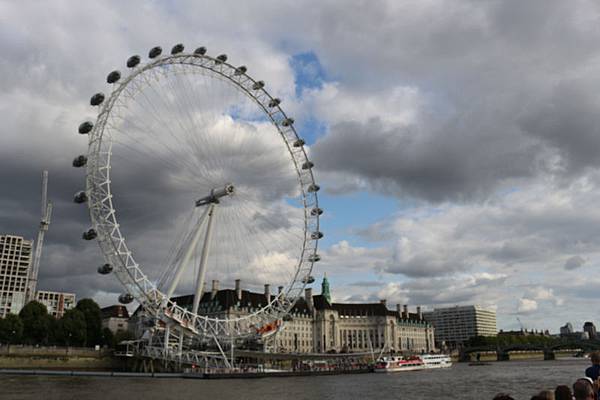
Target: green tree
point(11, 329)
point(73, 328)
point(93, 321)
point(123, 335)
point(55, 334)
point(36, 322)
point(108, 338)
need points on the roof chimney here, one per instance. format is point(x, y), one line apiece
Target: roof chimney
point(268, 292)
point(308, 297)
point(419, 313)
point(238, 289)
point(405, 312)
point(399, 310)
point(215, 289)
point(383, 301)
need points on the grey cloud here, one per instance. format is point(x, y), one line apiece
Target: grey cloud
point(488, 117)
point(568, 121)
point(366, 284)
point(400, 161)
point(574, 262)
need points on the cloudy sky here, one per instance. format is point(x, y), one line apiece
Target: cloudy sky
point(457, 143)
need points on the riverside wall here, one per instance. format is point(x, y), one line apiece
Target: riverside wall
point(58, 358)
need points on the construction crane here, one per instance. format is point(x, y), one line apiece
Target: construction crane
point(521, 324)
point(44, 224)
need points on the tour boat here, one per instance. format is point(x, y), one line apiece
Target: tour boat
point(414, 363)
point(436, 360)
point(396, 364)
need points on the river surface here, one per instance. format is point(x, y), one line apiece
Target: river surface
point(521, 379)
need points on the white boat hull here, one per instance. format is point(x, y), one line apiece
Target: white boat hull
point(428, 361)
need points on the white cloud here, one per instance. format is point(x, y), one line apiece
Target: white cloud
point(526, 306)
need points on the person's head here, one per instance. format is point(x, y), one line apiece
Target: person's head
point(545, 395)
point(563, 392)
point(595, 357)
point(583, 389)
point(503, 396)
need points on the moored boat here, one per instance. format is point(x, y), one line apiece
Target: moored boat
point(396, 364)
point(436, 360)
point(413, 363)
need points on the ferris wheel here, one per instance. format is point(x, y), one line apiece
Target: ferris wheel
point(194, 171)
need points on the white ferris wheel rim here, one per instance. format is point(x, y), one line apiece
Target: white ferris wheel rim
point(113, 243)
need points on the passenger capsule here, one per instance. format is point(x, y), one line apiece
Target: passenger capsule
point(155, 52)
point(178, 48)
point(125, 298)
point(85, 127)
point(200, 51)
point(105, 269)
point(313, 188)
point(90, 234)
point(79, 161)
point(97, 99)
point(221, 58)
point(133, 61)
point(241, 70)
point(113, 77)
point(314, 258)
point(307, 280)
point(299, 143)
point(287, 122)
point(316, 211)
point(316, 235)
point(258, 85)
point(308, 165)
point(80, 197)
point(274, 102)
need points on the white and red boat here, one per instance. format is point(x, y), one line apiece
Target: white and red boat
point(413, 363)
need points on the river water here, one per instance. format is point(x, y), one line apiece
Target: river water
point(521, 379)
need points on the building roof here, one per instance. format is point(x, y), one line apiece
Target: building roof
point(116, 311)
point(224, 299)
point(321, 303)
point(227, 298)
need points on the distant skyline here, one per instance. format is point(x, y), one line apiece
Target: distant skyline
point(457, 143)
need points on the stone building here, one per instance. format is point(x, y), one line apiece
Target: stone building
point(353, 327)
point(115, 318)
point(317, 325)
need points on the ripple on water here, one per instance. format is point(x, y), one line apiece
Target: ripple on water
point(520, 378)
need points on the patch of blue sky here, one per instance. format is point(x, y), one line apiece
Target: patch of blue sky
point(246, 114)
point(308, 72)
point(310, 130)
point(344, 215)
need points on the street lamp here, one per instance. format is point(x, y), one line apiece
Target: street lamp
point(69, 342)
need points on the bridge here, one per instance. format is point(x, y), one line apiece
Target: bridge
point(549, 349)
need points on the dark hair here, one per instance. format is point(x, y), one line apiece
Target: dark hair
point(595, 357)
point(582, 389)
point(503, 396)
point(563, 392)
point(544, 395)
